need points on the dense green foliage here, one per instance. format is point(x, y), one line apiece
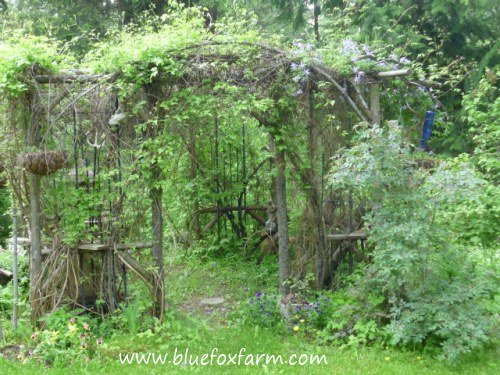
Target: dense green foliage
point(431, 283)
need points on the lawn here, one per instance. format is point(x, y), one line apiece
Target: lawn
point(191, 325)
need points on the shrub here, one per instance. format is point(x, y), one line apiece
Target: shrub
point(433, 292)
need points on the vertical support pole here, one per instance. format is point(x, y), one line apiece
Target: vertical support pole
point(75, 146)
point(375, 103)
point(217, 191)
point(281, 212)
point(36, 231)
point(15, 272)
point(156, 194)
point(193, 169)
point(314, 197)
point(242, 199)
point(36, 239)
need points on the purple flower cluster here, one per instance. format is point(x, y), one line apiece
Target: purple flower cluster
point(350, 48)
point(367, 51)
point(308, 307)
point(302, 73)
point(302, 47)
point(358, 75)
point(262, 307)
point(404, 60)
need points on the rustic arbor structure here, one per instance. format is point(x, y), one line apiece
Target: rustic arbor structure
point(85, 135)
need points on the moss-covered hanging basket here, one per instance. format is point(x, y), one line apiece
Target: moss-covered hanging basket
point(43, 163)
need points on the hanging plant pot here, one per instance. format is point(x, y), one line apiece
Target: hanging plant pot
point(43, 163)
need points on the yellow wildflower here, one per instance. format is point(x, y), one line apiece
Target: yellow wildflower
point(302, 320)
point(296, 328)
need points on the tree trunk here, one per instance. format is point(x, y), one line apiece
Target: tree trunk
point(281, 213)
point(157, 222)
point(314, 197)
point(375, 103)
point(156, 194)
point(15, 273)
point(316, 11)
point(36, 240)
point(192, 174)
point(33, 138)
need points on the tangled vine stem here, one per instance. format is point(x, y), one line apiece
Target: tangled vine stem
point(276, 57)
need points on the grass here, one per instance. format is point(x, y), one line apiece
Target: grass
point(188, 325)
point(363, 361)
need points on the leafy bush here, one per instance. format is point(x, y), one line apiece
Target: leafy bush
point(433, 293)
point(482, 110)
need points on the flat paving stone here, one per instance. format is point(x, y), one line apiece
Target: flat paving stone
point(213, 301)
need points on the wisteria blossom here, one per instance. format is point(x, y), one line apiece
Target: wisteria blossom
point(349, 47)
point(358, 75)
point(404, 60)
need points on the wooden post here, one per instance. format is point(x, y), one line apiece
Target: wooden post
point(375, 103)
point(14, 268)
point(36, 240)
point(314, 196)
point(157, 221)
point(156, 195)
point(193, 168)
point(281, 213)
point(33, 138)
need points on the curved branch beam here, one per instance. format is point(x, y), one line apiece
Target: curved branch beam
point(343, 91)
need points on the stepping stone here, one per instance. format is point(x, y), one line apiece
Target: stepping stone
point(212, 301)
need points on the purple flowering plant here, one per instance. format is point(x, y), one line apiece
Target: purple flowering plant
point(262, 310)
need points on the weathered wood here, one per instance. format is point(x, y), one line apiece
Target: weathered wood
point(148, 277)
point(71, 77)
point(393, 73)
point(22, 241)
point(322, 72)
point(375, 103)
point(356, 235)
point(133, 245)
point(427, 83)
point(93, 247)
point(193, 172)
point(36, 240)
point(118, 246)
point(257, 218)
point(5, 276)
point(213, 222)
point(156, 194)
point(135, 266)
point(231, 208)
point(15, 307)
point(281, 213)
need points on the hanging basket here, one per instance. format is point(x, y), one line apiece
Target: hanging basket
point(43, 163)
